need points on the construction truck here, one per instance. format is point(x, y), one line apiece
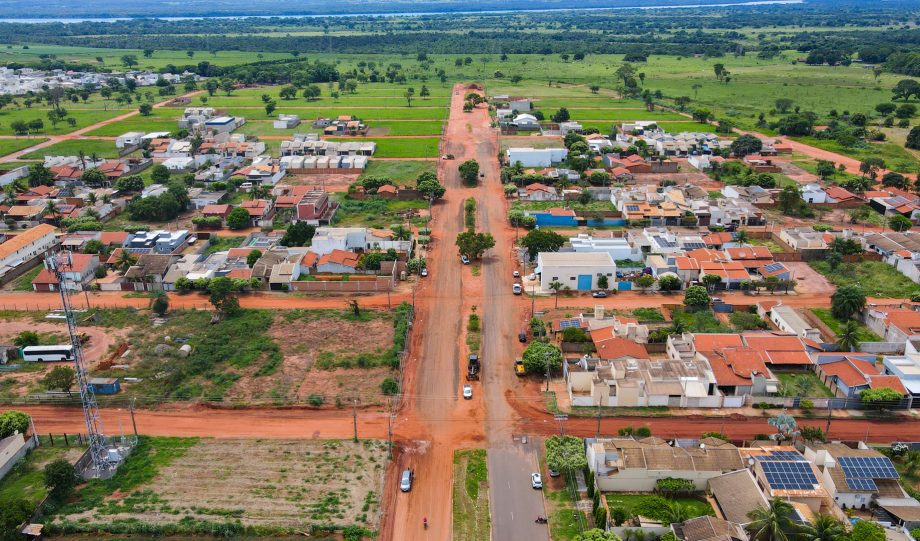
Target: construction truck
point(472, 367)
point(519, 367)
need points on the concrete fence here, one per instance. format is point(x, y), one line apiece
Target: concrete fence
point(381, 283)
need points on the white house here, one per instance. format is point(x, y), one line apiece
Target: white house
point(577, 271)
point(526, 122)
point(536, 157)
point(351, 239)
point(619, 248)
point(813, 193)
point(129, 139)
point(26, 246)
point(856, 477)
point(286, 122)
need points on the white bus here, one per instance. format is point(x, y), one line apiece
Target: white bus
point(47, 353)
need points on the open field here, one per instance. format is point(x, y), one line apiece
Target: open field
point(374, 212)
point(9, 146)
point(138, 123)
point(83, 117)
point(190, 485)
point(874, 278)
point(104, 149)
point(402, 171)
point(471, 496)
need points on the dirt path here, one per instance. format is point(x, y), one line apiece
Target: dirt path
point(78, 134)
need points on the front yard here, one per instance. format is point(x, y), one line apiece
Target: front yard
point(655, 507)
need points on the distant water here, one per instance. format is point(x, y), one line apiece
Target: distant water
point(416, 14)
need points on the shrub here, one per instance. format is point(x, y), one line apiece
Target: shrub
point(389, 387)
point(315, 400)
point(619, 515)
point(806, 404)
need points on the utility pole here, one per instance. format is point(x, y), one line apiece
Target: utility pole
point(390, 427)
point(131, 409)
point(354, 413)
point(598, 435)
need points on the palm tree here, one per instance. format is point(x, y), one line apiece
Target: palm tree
point(82, 157)
point(674, 513)
point(52, 210)
point(773, 522)
point(741, 237)
point(824, 528)
point(125, 260)
point(556, 286)
point(848, 337)
point(911, 462)
point(91, 198)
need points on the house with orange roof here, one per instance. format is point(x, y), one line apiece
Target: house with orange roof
point(338, 262)
point(216, 211)
point(720, 239)
point(732, 273)
point(895, 325)
point(609, 346)
point(537, 191)
point(259, 210)
point(848, 374)
point(25, 214)
point(387, 191)
point(741, 371)
point(23, 248)
point(751, 257)
point(835, 195)
point(77, 270)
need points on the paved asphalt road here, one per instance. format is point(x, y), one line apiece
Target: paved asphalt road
point(515, 504)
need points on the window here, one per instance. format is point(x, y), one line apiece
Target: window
point(555, 278)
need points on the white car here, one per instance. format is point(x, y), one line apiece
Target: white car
point(517, 274)
point(467, 392)
point(531, 277)
point(424, 272)
point(536, 481)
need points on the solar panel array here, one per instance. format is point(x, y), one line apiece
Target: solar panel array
point(781, 455)
point(694, 245)
point(632, 208)
point(864, 467)
point(566, 323)
point(663, 242)
point(861, 484)
point(789, 475)
point(773, 267)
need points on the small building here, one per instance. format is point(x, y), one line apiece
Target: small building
point(525, 121)
point(736, 494)
point(787, 319)
point(577, 271)
point(77, 272)
point(315, 208)
point(286, 122)
point(338, 262)
point(129, 139)
point(849, 374)
point(104, 386)
point(536, 157)
point(781, 472)
point(23, 248)
point(814, 194)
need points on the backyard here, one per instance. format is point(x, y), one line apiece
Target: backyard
point(803, 384)
point(863, 334)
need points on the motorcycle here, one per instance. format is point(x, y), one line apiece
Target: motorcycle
point(541, 520)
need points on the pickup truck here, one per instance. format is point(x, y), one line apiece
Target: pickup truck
point(519, 367)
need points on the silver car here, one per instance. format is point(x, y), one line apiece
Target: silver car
point(405, 482)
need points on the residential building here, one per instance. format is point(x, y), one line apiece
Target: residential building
point(540, 192)
point(338, 262)
point(263, 171)
point(627, 465)
point(355, 239)
point(896, 325)
point(525, 121)
point(805, 239)
point(857, 477)
point(894, 205)
point(260, 210)
point(315, 208)
point(781, 472)
point(129, 139)
point(77, 271)
point(223, 124)
point(706, 528)
point(577, 271)
point(814, 194)
point(906, 368)
point(536, 157)
point(787, 319)
point(160, 242)
point(25, 247)
point(307, 145)
point(848, 374)
point(736, 494)
point(619, 248)
point(286, 122)
point(836, 195)
point(148, 273)
point(900, 250)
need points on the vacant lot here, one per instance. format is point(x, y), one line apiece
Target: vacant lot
point(187, 485)
point(874, 278)
point(416, 147)
point(863, 333)
point(471, 496)
point(9, 146)
point(103, 149)
point(377, 213)
point(402, 171)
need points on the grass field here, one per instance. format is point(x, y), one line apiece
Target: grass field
point(896, 157)
point(26, 479)
point(83, 117)
point(138, 123)
point(175, 485)
point(638, 503)
point(863, 334)
point(105, 149)
point(792, 382)
point(874, 278)
point(400, 148)
point(377, 213)
point(9, 146)
point(471, 496)
point(402, 171)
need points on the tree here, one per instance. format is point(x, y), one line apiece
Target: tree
point(131, 183)
point(669, 282)
point(846, 302)
point(94, 178)
point(430, 187)
point(822, 528)
point(159, 173)
point(899, 223)
point(773, 522)
point(538, 354)
point(619, 515)
point(812, 433)
point(542, 240)
point(60, 478)
point(238, 219)
point(389, 387)
point(26, 339)
point(13, 421)
point(298, 234)
point(228, 86)
point(746, 144)
point(913, 138)
point(13, 513)
point(60, 378)
point(469, 171)
point(790, 200)
point(602, 282)
point(696, 296)
point(39, 175)
point(864, 530)
point(222, 298)
point(848, 337)
point(270, 108)
point(125, 261)
point(870, 167)
point(129, 60)
point(879, 397)
point(159, 303)
point(598, 534)
point(252, 257)
point(565, 454)
point(825, 169)
point(885, 109)
point(711, 281)
point(894, 180)
point(473, 245)
point(145, 109)
point(562, 115)
point(702, 115)
point(645, 281)
point(311, 92)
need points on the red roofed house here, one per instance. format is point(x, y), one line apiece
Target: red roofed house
point(848, 374)
point(751, 257)
point(839, 196)
point(610, 346)
point(893, 324)
point(541, 192)
point(77, 273)
point(216, 211)
point(315, 208)
point(732, 273)
point(338, 262)
point(258, 209)
point(741, 371)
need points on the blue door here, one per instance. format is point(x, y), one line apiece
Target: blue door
point(584, 282)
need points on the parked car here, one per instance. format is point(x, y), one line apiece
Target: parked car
point(447, 157)
point(522, 336)
point(465, 260)
point(517, 289)
point(716, 299)
point(516, 274)
point(536, 481)
point(599, 294)
point(553, 473)
point(405, 481)
point(467, 391)
point(531, 277)
point(424, 272)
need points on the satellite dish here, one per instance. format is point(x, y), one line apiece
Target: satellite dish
point(702, 446)
point(750, 462)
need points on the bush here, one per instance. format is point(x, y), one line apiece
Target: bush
point(473, 324)
point(389, 387)
point(13, 421)
point(806, 404)
point(619, 515)
point(643, 432)
point(60, 478)
point(315, 400)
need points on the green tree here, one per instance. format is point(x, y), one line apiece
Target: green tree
point(13, 513)
point(711, 281)
point(132, 183)
point(298, 234)
point(822, 528)
point(773, 522)
point(825, 169)
point(597, 534)
point(145, 109)
point(238, 219)
point(13, 421)
point(846, 302)
point(542, 240)
point(25, 339)
point(537, 354)
point(602, 282)
point(879, 397)
point(60, 478)
point(669, 282)
point(389, 387)
point(619, 515)
point(913, 138)
point(746, 144)
point(94, 178)
point(430, 187)
point(469, 171)
point(159, 174)
point(473, 245)
point(565, 454)
point(900, 223)
point(696, 296)
point(811, 434)
point(870, 167)
point(159, 303)
point(562, 115)
point(645, 281)
point(252, 257)
point(222, 298)
point(60, 378)
point(790, 200)
point(125, 261)
point(864, 530)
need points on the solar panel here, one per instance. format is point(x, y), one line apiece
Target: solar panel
point(773, 267)
point(784, 456)
point(664, 242)
point(789, 475)
point(861, 484)
point(694, 245)
point(868, 467)
point(567, 323)
point(632, 208)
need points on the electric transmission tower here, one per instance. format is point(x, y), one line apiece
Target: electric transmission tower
point(101, 461)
